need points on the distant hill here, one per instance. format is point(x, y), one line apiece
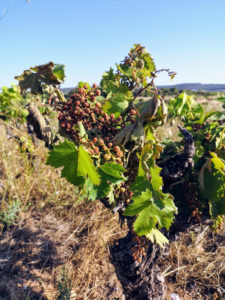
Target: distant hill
point(208, 87)
point(66, 90)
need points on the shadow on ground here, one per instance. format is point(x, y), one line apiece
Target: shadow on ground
point(29, 256)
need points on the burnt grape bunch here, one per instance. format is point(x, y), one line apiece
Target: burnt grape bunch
point(84, 108)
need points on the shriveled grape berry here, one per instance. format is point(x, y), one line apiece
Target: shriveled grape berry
point(104, 148)
point(98, 105)
point(94, 140)
point(133, 112)
point(119, 154)
point(107, 156)
point(96, 150)
point(101, 142)
point(80, 90)
point(116, 148)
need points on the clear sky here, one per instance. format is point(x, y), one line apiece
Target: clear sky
point(89, 36)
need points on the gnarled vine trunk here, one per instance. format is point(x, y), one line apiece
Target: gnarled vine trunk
point(140, 281)
point(37, 124)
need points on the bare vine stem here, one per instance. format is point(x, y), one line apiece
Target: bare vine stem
point(131, 105)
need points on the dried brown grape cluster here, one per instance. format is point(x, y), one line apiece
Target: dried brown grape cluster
point(133, 57)
point(83, 106)
point(123, 194)
point(131, 173)
point(140, 248)
point(101, 127)
point(197, 127)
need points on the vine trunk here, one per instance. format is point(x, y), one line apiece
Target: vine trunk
point(139, 280)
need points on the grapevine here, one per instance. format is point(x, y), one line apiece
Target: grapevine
point(118, 141)
point(111, 152)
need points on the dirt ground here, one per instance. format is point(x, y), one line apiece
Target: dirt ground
point(34, 253)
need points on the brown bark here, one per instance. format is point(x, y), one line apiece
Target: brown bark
point(39, 124)
point(140, 281)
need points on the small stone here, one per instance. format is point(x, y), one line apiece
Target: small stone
point(175, 297)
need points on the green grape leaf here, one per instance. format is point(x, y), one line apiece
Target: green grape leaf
point(59, 72)
point(149, 153)
point(77, 163)
point(208, 115)
point(139, 185)
point(151, 216)
point(118, 85)
point(86, 166)
point(118, 101)
point(181, 101)
point(212, 182)
point(198, 112)
point(66, 155)
point(118, 94)
point(111, 175)
point(156, 236)
point(144, 222)
point(140, 203)
point(113, 170)
point(127, 71)
point(146, 155)
point(185, 106)
point(149, 62)
point(81, 85)
point(115, 105)
point(153, 207)
point(12, 104)
point(109, 181)
point(142, 196)
point(90, 190)
point(220, 140)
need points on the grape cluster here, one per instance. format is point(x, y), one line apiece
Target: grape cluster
point(123, 194)
point(105, 149)
point(134, 57)
point(84, 107)
point(78, 109)
point(139, 249)
point(197, 126)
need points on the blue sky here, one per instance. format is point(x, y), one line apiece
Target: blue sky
point(89, 36)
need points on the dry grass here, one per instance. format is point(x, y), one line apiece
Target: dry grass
point(53, 231)
point(196, 264)
point(49, 217)
point(40, 246)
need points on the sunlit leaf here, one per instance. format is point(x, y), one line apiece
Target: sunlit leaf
point(86, 166)
point(212, 182)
